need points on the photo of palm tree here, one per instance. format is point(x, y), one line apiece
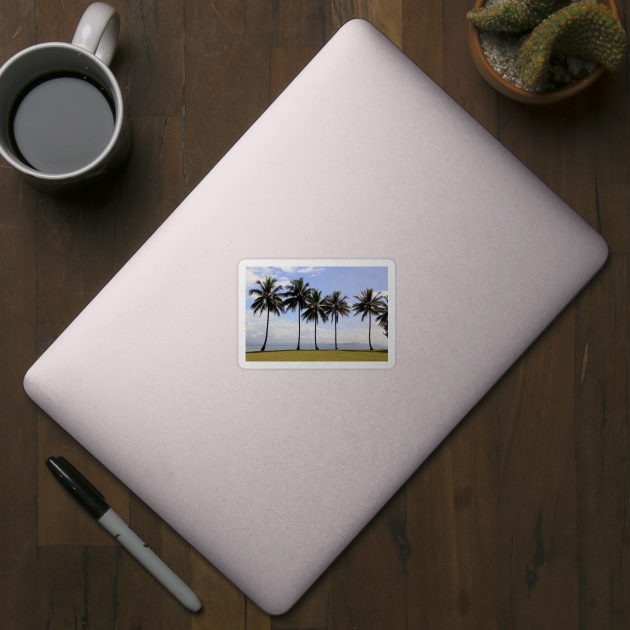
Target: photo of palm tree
point(325, 313)
point(368, 303)
point(268, 299)
point(337, 306)
point(315, 310)
point(296, 293)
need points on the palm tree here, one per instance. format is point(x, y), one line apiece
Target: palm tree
point(269, 299)
point(295, 296)
point(381, 318)
point(315, 310)
point(368, 304)
point(335, 305)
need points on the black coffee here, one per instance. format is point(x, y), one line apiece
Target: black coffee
point(61, 123)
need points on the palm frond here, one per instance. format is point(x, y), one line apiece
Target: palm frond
point(315, 309)
point(368, 302)
point(269, 297)
point(296, 294)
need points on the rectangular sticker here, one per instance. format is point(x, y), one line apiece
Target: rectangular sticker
point(316, 314)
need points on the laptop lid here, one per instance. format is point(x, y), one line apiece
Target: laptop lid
point(363, 175)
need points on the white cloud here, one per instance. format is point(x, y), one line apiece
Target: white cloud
point(252, 274)
point(303, 270)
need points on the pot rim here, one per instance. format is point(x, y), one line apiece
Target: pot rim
point(514, 92)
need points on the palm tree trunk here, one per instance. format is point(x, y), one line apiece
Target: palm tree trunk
point(299, 326)
point(370, 329)
point(336, 333)
point(267, 333)
point(316, 348)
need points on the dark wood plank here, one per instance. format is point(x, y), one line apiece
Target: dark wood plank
point(313, 610)
point(422, 36)
point(152, 185)
point(57, 22)
point(142, 600)
point(300, 22)
point(386, 15)
point(17, 28)
point(226, 78)
point(18, 423)
point(60, 519)
point(369, 577)
point(558, 147)
point(608, 137)
point(18, 416)
point(154, 57)
point(224, 606)
point(452, 527)
point(285, 64)
point(603, 443)
point(537, 537)
point(255, 618)
point(461, 78)
point(576, 148)
point(76, 587)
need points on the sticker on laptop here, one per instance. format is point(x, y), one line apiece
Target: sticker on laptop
point(314, 314)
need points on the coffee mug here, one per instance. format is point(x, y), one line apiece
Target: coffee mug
point(62, 114)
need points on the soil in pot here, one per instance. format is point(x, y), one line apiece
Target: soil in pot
point(501, 49)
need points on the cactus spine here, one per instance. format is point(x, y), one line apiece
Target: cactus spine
point(583, 29)
point(513, 16)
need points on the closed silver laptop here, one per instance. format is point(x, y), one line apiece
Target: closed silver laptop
point(363, 175)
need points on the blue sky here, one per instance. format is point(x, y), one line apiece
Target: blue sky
point(349, 280)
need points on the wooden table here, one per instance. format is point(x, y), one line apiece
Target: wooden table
point(518, 520)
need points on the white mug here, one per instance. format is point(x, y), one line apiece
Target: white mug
point(101, 144)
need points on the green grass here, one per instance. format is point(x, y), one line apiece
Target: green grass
point(317, 355)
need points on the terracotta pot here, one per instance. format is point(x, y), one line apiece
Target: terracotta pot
point(518, 94)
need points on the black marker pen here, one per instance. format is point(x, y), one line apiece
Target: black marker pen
point(94, 502)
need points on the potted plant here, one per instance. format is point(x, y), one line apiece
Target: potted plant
point(549, 50)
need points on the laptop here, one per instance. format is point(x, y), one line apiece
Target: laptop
point(369, 201)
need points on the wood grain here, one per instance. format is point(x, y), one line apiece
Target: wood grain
point(300, 22)
point(18, 416)
point(537, 510)
point(154, 57)
point(285, 64)
point(369, 577)
point(517, 520)
point(313, 610)
point(18, 419)
point(143, 600)
point(226, 78)
point(422, 36)
point(602, 380)
point(452, 515)
point(386, 15)
point(76, 587)
point(61, 521)
point(224, 606)
point(461, 79)
point(57, 22)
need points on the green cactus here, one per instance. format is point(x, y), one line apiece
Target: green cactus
point(513, 16)
point(584, 29)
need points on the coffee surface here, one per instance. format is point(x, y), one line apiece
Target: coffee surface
point(62, 124)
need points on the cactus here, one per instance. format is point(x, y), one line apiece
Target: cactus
point(513, 16)
point(584, 29)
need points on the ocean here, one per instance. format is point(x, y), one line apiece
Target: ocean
point(311, 346)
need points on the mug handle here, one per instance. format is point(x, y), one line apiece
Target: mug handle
point(98, 30)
